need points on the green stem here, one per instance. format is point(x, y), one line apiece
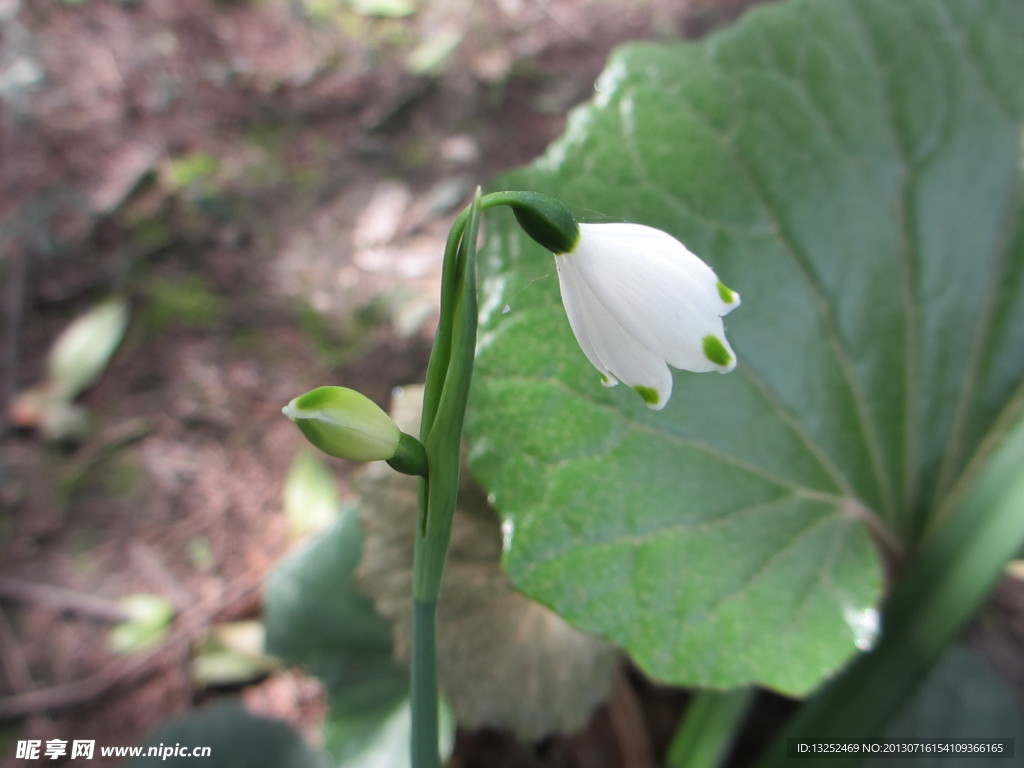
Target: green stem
point(447, 389)
point(440, 354)
point(446, 392)
point(543, 217)
point(423, 692)
point(951, 576)
point(708, 728)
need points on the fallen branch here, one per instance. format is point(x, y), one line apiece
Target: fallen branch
point(187, 628)
point(61, 599)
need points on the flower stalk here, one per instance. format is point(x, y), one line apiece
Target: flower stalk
point(446, 391)
point(670, 295)
point(708, 729)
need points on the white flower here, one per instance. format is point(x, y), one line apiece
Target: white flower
point(638, 301)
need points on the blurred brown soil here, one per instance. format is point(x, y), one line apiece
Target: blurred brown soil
point(325, 144)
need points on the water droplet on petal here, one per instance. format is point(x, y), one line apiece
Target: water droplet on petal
point(507, 530)
point(866, 625)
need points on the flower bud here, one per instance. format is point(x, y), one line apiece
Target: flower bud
point(545, 220)
point(344, 423)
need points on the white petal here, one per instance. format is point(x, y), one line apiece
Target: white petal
point(608, 345)
point(657, 290)
point(572, 291)
point(715, 352)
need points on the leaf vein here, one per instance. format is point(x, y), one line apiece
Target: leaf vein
point(829, 323)
point(672, 437)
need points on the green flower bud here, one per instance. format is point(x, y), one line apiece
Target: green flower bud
point(344, 423)
point(544, 219)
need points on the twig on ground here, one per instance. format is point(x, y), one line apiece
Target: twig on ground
point(188, 628)
point(61, 599)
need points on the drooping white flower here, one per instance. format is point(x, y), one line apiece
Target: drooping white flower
point(638, 301)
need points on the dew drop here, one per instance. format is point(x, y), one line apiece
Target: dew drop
point(507, 530)
point(865, 624)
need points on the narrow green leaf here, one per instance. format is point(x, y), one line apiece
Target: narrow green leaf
point(708, 729)
point(962, 699)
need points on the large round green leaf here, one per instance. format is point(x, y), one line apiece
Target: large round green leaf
point(850, 167)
